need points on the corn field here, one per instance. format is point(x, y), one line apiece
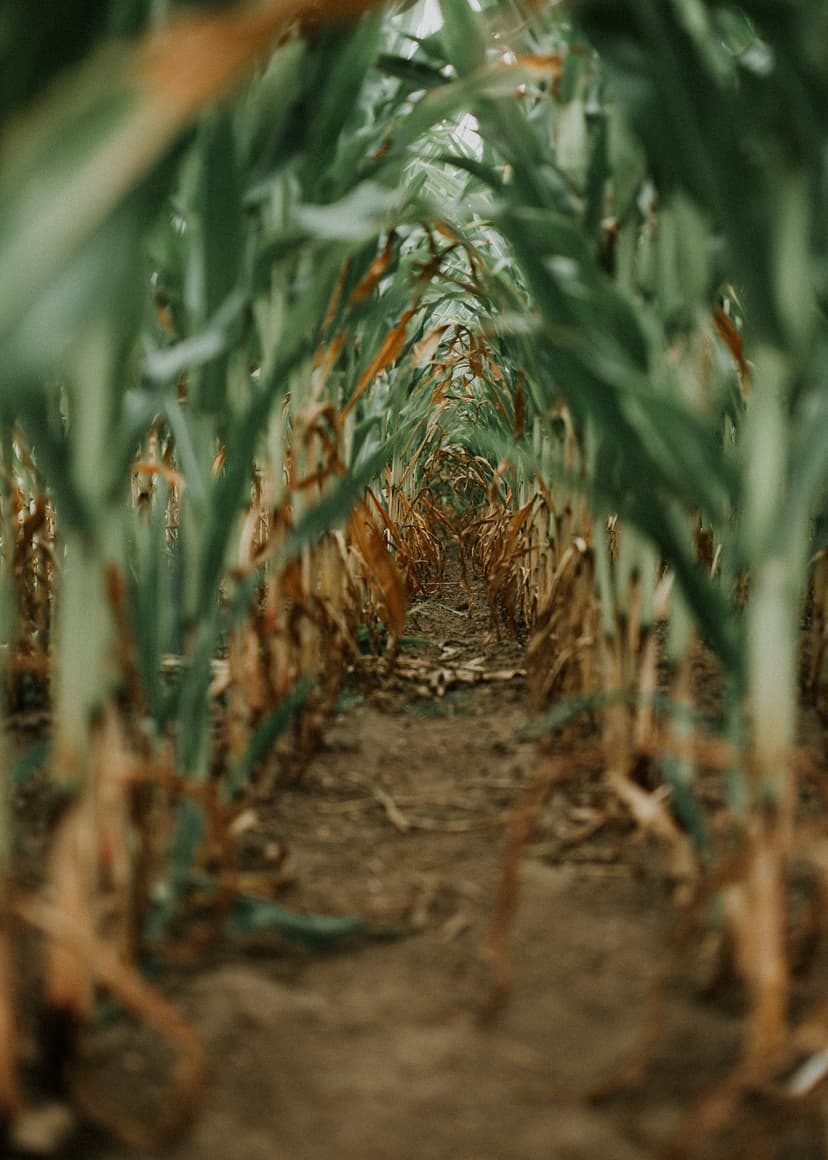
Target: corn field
point(300, 299)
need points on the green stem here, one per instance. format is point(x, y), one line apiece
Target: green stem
point(773, 608)
point(84, 657)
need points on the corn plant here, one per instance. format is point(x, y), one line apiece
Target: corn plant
point(632, 295)
point(719, 152)
point(242, 525)
point(288, 302)
point(88, 177)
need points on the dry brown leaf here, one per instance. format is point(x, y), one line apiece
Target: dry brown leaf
point(378, 268)
point(384, 575)
point(82, 944)
point(326, 356)
point(195, 59)
point(732, 339)
point(72, 861)
point(390, 350)
point(423, 351)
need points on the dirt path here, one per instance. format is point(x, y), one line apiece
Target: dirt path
point(379, 1051)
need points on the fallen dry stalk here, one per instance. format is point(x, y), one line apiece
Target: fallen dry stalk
point(404, 823)
point(392, 811)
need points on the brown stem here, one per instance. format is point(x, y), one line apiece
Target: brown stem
point(755, 907)
point(101, 962)
point(68, 978)
point(9, 1095)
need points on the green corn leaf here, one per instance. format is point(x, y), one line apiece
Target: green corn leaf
point(464, 36)
point(364, 212)
point(266, 734)
point(684, 804)
point(337, 504)
point(30, 764)
point(415, 74)
point(219, 213)
point(342, 60)
point(165, 366)
point(250, 915)
point(809, 476)
point(267, 107)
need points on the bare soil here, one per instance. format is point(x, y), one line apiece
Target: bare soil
point(388, 1046)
